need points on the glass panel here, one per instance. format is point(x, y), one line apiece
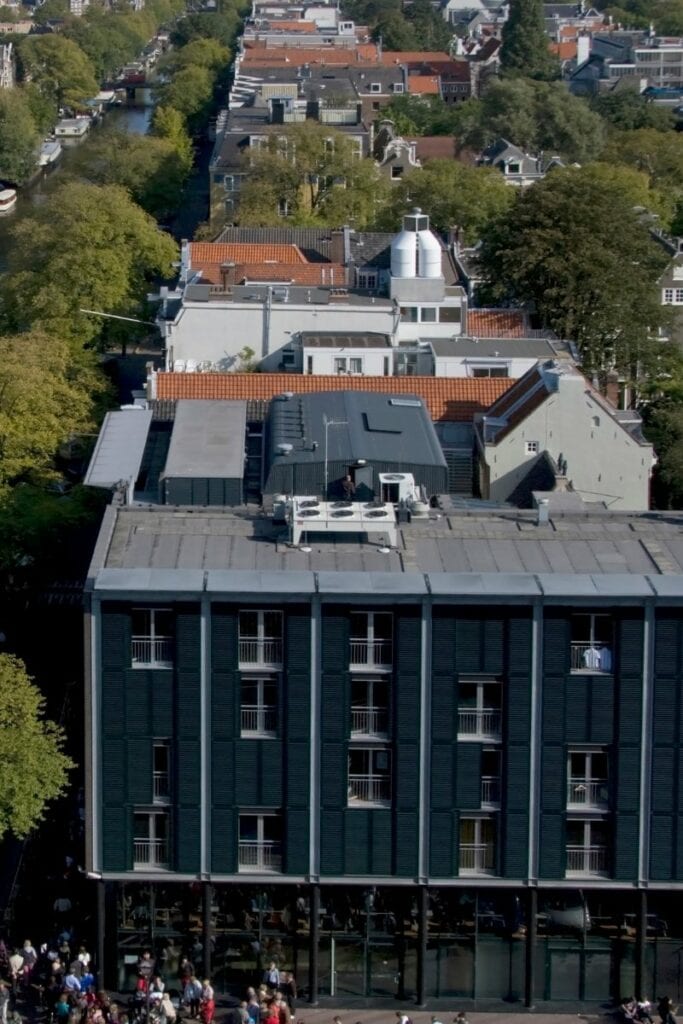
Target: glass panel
point(272, 624)
point(382, 626)
point(359, 625)
point(597, 974)
point(248, 624)
point(141, 622)
point(163, 622)
point(565, 970)
point(248, 828)
point(142, 826)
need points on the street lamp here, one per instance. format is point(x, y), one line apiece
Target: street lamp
point(327, 424)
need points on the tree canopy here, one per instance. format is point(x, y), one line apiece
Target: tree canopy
point(91, 248)
point(18, 137)
point(315, 174)
point(59, 68)
point(454, 196)
point(33, 764)
point(581, 254)
point(525, 46)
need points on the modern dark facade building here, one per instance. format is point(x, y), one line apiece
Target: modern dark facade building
point(447, 771)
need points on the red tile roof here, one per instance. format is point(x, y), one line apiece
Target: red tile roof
point(275, 56)
point(497, 323)
point(313, 274)
point(390, 57)
point(423, 85)
point(436, 147)
point(566, 50)
point(204, 253)
point(447, 398)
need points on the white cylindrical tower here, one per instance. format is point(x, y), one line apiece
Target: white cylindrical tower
point(404, 254)
point(429, 253)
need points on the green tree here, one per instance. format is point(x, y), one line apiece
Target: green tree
point(313, 172)
point(422, 115)
point(18, 137)
point(91, 248)
point(222, 27)
point(525, 47)
point(35, 768)
point(44, 399)
point(657, 154)
point(189, 92)
point(59, 68)
point(205, 53)
point(627, 110)
point(454, 195)
point(169, 124)
point(581, 254)
point(149, 168)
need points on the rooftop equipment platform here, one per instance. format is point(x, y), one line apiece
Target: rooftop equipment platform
point(308, 515)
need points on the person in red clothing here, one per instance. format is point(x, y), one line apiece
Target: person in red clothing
point(207, 1005)
point(272, 1014)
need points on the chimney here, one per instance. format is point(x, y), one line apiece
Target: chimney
point(228, 275)
point(337, 247)
point(543, 512)
point(612, 388)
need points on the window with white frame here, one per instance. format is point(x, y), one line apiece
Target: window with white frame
point(367, 279)
point(479, 708)
point(371, 640)
point(489, 371)
point(260, 842)
point(340, 364)
point(260, 638)
point(150, 840)
point(490, 777)
point(398, 87)
point(152, 638)
point(477, 850)
point(369, 707)
point(587, 781)
point(161, 771)
point(355, 364)
point(587, 848)
point(369, 780)
point(397, 171)
point(673, 296)
point(592, 642)
point(259, 707)
point(375, 87)
point(531, 447)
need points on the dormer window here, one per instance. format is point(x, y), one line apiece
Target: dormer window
point(375, 86)
point(398, 87)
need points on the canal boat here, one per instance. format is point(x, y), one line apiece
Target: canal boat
point(72, 127)
point(8, 199)
point(50, 152)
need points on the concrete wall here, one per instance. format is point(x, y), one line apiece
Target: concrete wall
point(452, 366)
point(603, 462)
point(372, 360)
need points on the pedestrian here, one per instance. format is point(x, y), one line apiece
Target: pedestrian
point(63, 1009)
point(192, 995)
point(271, 976)
point(289, 991)
point(146, 965)
point(403, 1018)
point(4, 1002)
point(461, 1018)
point(348, 488)
point(72, 983)
point(666, 1010)
point(167, 1009)
point(253, 1007)
point(243, 1012)
point(16, 967)
point(207, 1006)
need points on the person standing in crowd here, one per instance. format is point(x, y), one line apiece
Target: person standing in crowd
point(193, 994)
point(208, 1003)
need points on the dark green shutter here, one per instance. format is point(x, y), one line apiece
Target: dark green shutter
point(665, 710)
point(298, 774)
point(188, 640)
point(468, 776)
point(515, 845)
point(444, 710)
point(443, 645)
point(667, 646)
point(406, 844)
point(334, 781)
point(519, 647)
point(516, 779)
point(661, 848)
point(270, 771)
point(186, 828)
point(601, 715)
point(113, 703)
point(628, 780)
point(223, 840)
point(247, 782)
point(222, 774)
point(663, 792)
point(517, 709)
point(139, 773)
point(138, 711)
point(552, 846)
point(468, 646)
point(335, 643)
point(493, 654)
point(406, 776)
point(113, 773)
point(578, 709)
point(553, 778)
point(188, 766)
point(116, 839)
point(442, 845)
point(442, 776)
point(626, 847)
point(332, 841)
point(225, 704)
point(629, 704)
point(630, 646)
point(553, 709)
point(115, 635)
point(382, 844)
point(296, 841)
point(357, 838)
point(298, 642)
point(556, 641)
point(188, 705)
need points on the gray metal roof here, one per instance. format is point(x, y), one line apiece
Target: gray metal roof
point(372, 426)
point(208, 440)
point(491, 348)
point(120, 447)
point(482, 554)
point(354, 339)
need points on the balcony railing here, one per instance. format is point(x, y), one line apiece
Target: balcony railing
point(367, 789)
point(152, 652)
point(587, 793)
point(260, 856)
point(484, 722)
point(370, 653)
point(150, 853)
point(266, 651)
point(477, 858)
point(591, 657)
point(259, 719)
point(161, 786)
point(490, 789)
point(369, 721)
point(586, 860)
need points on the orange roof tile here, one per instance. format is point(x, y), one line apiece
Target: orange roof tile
point(202, 253)
point(293, 273)
point(447, 398)
point(294, 26)
point(496, 323)
point(390, 57)
point(274, 56)
point(566, 50)
point(423, 85)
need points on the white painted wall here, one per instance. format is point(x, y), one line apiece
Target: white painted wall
point(372, 360)
point(603, 462)
point(457, 366)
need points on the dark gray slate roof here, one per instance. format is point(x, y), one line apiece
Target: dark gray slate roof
point(208, 440)
point(119, 448)
point(332, 339)
point(376, 427)
point(491, 348)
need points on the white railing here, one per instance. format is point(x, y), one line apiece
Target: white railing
point(490, 789)
point(586, 860)
point(161, 786)
point(587, 793)
point(367, 721)
point(370, 653)
point(478, 858)
point(593, 657)
point(263, 856)
point(259, 719)
point(152, 652)
point(479, 722)
point(368, 789)
point(150, 853)
point(255, 651)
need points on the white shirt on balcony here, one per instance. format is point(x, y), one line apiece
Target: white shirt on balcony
point(592, 658)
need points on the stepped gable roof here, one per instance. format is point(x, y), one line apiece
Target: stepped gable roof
point(447, 398)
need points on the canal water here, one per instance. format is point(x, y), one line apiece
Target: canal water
point(131, 118)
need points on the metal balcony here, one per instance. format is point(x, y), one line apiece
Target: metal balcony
point(265, 652)
point(586, 860)
point(369, 721)
point(152, 652)
point(162, 792)
point(477, 858)
point(260, 856)
point(370, 789)
point(587, 793)
point(150, 853)
point(369, 654)
point(593, 658)
point(484, 723)
point(258, 720)
point(490, 790)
